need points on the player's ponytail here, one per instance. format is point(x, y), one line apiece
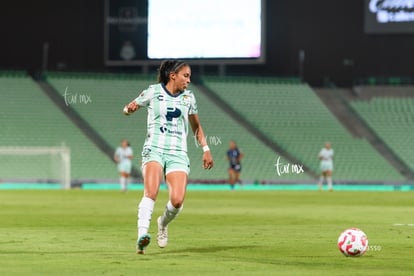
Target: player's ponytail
point(167, 67)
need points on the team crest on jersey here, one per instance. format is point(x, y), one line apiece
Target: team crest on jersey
point(186, 100)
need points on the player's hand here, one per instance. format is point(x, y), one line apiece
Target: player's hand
point(130, 108)
point(207, 160)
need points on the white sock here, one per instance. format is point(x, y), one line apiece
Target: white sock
point(123, 182)
point(145, 208)
point(320, 182)
point(329, 180)
point(170, 213)
point(126, 182)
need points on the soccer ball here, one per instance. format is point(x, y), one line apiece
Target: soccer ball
point(353, 242)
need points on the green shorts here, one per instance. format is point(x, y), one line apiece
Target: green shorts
point(169, 162)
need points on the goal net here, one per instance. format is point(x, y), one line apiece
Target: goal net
point(35, 165)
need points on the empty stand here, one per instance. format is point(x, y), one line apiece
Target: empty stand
point(259, 161)
point(294, 117)
point(29, 118)
point(392, 119)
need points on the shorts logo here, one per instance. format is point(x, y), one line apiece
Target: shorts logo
point(146, 152)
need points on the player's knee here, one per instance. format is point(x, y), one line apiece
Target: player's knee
point(177, 202)
point(151, 194)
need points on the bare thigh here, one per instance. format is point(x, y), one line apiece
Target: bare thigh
point(153, 174)
point(177, 186)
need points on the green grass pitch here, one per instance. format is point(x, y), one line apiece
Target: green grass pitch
point(218, 233)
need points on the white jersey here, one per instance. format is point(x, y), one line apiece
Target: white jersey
point(326, 154)
point(123, 154)
point(167, 121)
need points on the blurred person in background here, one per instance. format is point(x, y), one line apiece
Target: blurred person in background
point(326, 165)
point(234, 156)
point(123, 156)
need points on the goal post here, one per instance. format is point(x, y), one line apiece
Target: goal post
point(37, 164)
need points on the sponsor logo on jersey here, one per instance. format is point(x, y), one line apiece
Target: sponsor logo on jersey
point(172, 112)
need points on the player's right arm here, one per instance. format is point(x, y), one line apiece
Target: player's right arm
point(131, 108)
point(116, 158)
point(142, 100)
point(320, 155)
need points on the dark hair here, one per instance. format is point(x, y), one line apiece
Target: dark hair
point(128, 144)
point(167, 67)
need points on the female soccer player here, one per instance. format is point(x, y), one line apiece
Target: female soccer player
point(234, 155)
point(326, 156)
point(123, 156)
point(170, 108)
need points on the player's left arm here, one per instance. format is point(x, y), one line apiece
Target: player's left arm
point(130, 154)
point(199, 133)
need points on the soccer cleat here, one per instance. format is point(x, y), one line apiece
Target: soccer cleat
point(143, 242)
point(162, 236)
